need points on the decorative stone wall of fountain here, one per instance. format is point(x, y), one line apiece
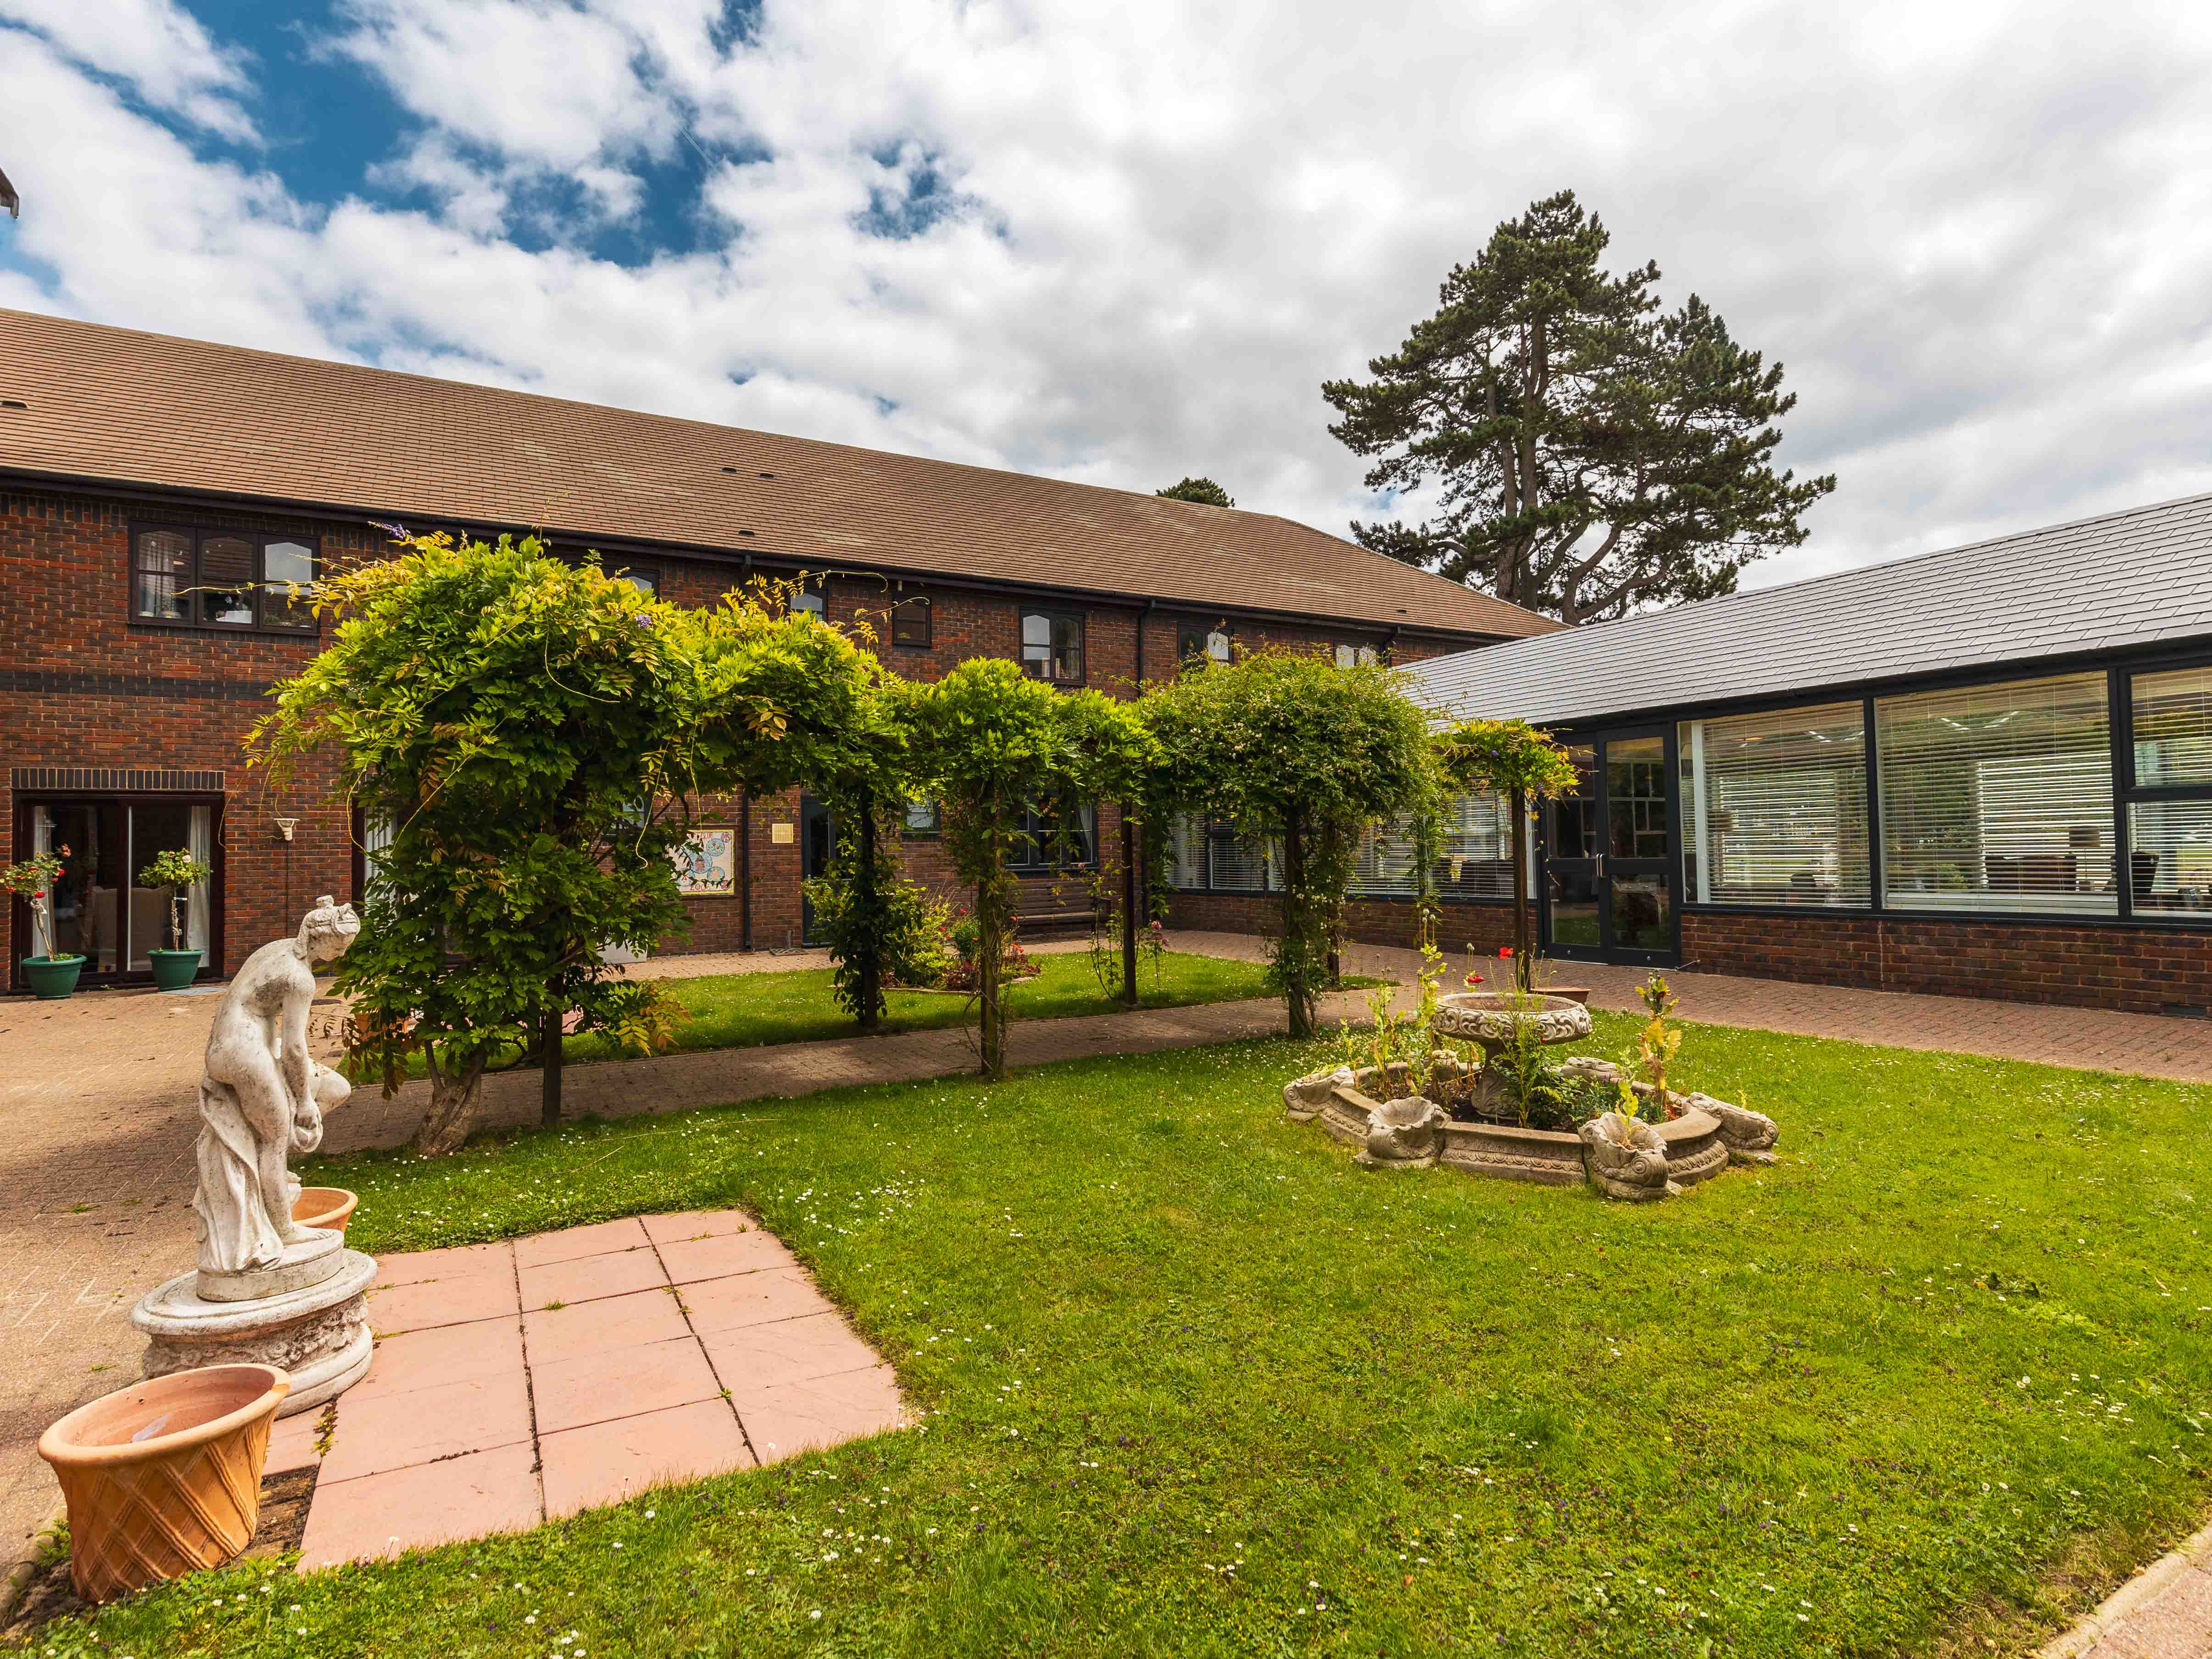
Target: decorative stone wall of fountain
point(1373, 1110)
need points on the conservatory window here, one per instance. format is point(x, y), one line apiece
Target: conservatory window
point(1999, 798)
point(1774, 807)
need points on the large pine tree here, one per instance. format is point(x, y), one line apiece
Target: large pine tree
point(1594, 456)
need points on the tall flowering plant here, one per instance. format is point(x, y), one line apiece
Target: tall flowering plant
point(34, 877)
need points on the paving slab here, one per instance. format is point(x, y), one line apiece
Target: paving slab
point(495, 1424)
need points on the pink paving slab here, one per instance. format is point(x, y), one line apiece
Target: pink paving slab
point(587, 1278)
point(478, 1416)
point(540, 1249)
point(607, 1462)
point(381, 1515)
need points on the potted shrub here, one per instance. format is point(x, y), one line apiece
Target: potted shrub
point(180, 871)
point(51, 977)
point(164, 1478)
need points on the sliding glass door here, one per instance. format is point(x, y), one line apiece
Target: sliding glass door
point(1608, 893)
point(97, 909)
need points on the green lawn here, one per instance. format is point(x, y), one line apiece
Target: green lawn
point(739, 1010)
point(1197, 1384)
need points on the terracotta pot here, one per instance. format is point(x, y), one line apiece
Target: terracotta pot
point(325, 1207)
point(164, 1478)
point(1572, 992)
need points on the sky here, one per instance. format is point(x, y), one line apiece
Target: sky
point(1123, 241)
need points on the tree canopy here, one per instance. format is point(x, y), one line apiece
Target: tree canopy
point(1590, 454)
point(988, 741)
point(1288, 746)
point(1203, 491)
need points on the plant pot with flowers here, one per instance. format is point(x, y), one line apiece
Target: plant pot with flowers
point(51, 977)
point(180, 871)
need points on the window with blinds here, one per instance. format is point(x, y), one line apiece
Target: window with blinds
point(2173, 727)
point(1212, 857)
point(1774, 808)
point(2170, 818)
point(1475, 854)
point(1999, 798)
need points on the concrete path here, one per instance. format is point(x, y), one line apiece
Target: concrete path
point(98, 1113)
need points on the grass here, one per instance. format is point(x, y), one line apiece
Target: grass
point(739, 1010)
point(1196, 1384)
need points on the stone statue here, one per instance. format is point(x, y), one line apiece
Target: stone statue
point(262, 1098)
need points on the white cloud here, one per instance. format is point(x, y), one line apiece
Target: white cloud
point(155, 46)
point(1139, 235)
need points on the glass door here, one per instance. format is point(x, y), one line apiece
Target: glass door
point(1608, 852)
point(818, 846)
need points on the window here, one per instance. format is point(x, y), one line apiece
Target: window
point(1475, 854)
point(910, 620)
point(2170, 807)
point(1196, 642)
point(1052, 646)
point(806, 604)
point(646, 582)
point(922, 818)
point(1211, 856)
point(1054, 838)
point(1998, 797)
point(1354, 655)
point(1774, 808)
point(223, 578)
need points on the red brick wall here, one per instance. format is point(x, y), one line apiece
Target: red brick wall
point(82, 686)
point(2137, 969)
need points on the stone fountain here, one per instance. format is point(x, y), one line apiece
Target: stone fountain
point(267, 1290)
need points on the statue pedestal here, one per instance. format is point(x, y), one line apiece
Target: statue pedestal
point(317, 1330)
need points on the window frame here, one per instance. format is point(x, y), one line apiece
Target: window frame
point(2129, 791)
point(1201, 634)
point(636, 575)
point(908, 607)
point(1053, 614)
point(258, 581)
point(1039, 860)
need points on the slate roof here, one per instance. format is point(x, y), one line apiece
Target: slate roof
point(117, 406)
point(2128, 578)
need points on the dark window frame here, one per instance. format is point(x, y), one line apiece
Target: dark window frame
point(1039, 841)
point(908, 610)
point(212, 963)
point(1053, 614)
point(909, 830)
point(258, 581)
point(1193, 639)
point(636, 575)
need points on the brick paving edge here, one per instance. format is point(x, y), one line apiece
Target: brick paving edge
point(2193, 1555)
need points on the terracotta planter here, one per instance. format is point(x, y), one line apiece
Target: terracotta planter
point(1572, 992)
point(164, 1478)
point(325, 1207)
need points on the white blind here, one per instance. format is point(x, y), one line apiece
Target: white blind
point(2172, 728)
point(1774, 807)
point(1999, 798)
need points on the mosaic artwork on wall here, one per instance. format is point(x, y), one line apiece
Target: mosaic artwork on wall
point(707, 863)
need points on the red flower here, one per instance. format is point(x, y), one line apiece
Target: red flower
point(1473, 980)
point(1506, 951)
point(41, 893)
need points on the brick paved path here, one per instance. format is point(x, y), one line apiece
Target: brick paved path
point(98, 1113)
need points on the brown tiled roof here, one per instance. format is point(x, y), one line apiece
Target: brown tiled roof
point(118, 406)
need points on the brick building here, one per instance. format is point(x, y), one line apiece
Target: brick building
point(1983, 772)
point(157, 494)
